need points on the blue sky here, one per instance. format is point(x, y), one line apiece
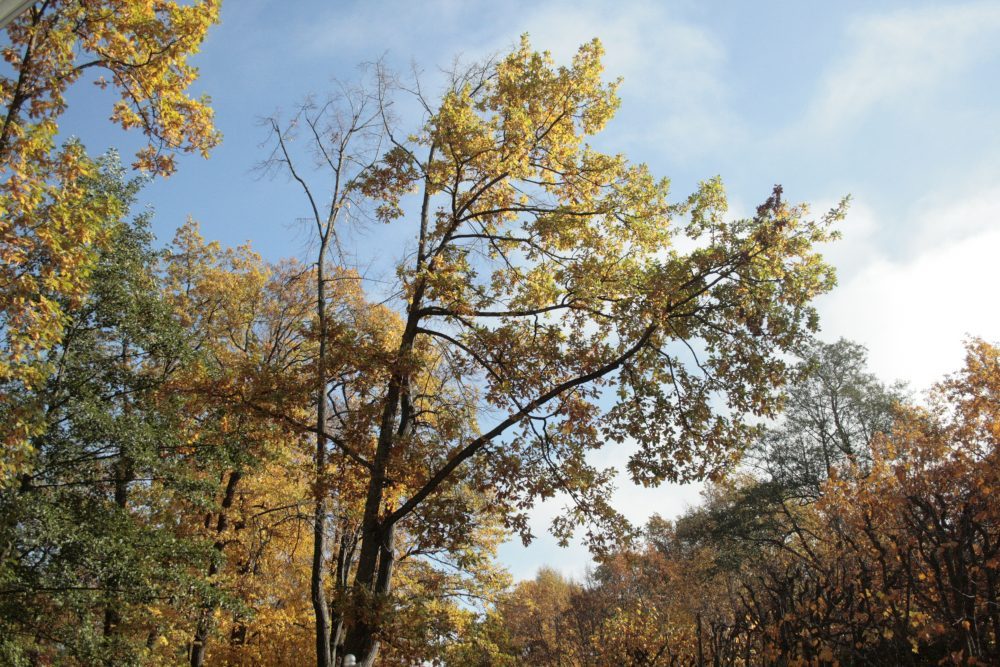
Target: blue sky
point(894, 103)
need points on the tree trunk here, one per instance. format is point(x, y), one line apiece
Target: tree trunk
point(320, 605)
point(345, 556)
point(701, 653)
point(373, 580)
point(372, 588)
point(198, 646)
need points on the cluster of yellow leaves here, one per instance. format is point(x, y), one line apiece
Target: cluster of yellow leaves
point(143, 46)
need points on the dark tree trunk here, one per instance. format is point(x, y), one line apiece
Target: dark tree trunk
point(204, 625)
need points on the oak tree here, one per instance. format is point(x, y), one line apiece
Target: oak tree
point(547, 276)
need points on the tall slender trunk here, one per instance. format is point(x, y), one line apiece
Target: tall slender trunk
point(204, 625)
point(701, 652)
point(345, 556)
point(373, 581)
point(320, 604)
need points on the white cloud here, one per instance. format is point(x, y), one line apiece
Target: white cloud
point(676, 99)
point(899, 56)
point(636, 503)
point(965, 216)
point(914, 311)
point(857, 246)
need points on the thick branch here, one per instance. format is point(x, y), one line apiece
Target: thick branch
point(473, 447)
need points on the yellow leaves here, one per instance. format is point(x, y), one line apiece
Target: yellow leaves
point(528, 122)
point(49, 239)
point(144, 47)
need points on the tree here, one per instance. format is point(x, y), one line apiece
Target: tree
point(534, 615)
point(835, 408)
point(895, 561)
point(546, 279)
point(923, 525)
point(248, 398)
point(86, 543)
point(50, 227)
point(247, 319)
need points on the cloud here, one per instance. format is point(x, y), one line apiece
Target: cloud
point(676, 98)
point(897, 57)
point(638, 504)
point(945, 222)
point(914, 311)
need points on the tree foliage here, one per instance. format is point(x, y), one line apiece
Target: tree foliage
point(87, 541)
point(895, 560)
point(215, 459)
point(548, 289)
point(51, 227)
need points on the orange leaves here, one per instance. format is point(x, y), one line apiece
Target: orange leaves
point(898, 558)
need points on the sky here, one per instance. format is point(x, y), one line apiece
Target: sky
point(896, 104)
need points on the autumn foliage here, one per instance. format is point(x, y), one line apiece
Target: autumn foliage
point(210, 458)
point(52, 219)
point(895, 563)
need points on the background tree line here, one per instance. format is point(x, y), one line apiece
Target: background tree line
point(866, 534)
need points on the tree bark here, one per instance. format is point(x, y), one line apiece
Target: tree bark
point(204, 625)
point(20, 95)
point(320, 605)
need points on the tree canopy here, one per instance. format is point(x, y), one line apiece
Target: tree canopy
point(51, 224)
point(548, 290)
point(213, 458)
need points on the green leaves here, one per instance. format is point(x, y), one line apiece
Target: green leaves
point(87, 532)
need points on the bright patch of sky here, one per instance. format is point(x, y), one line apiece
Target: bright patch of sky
point(894, 103)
